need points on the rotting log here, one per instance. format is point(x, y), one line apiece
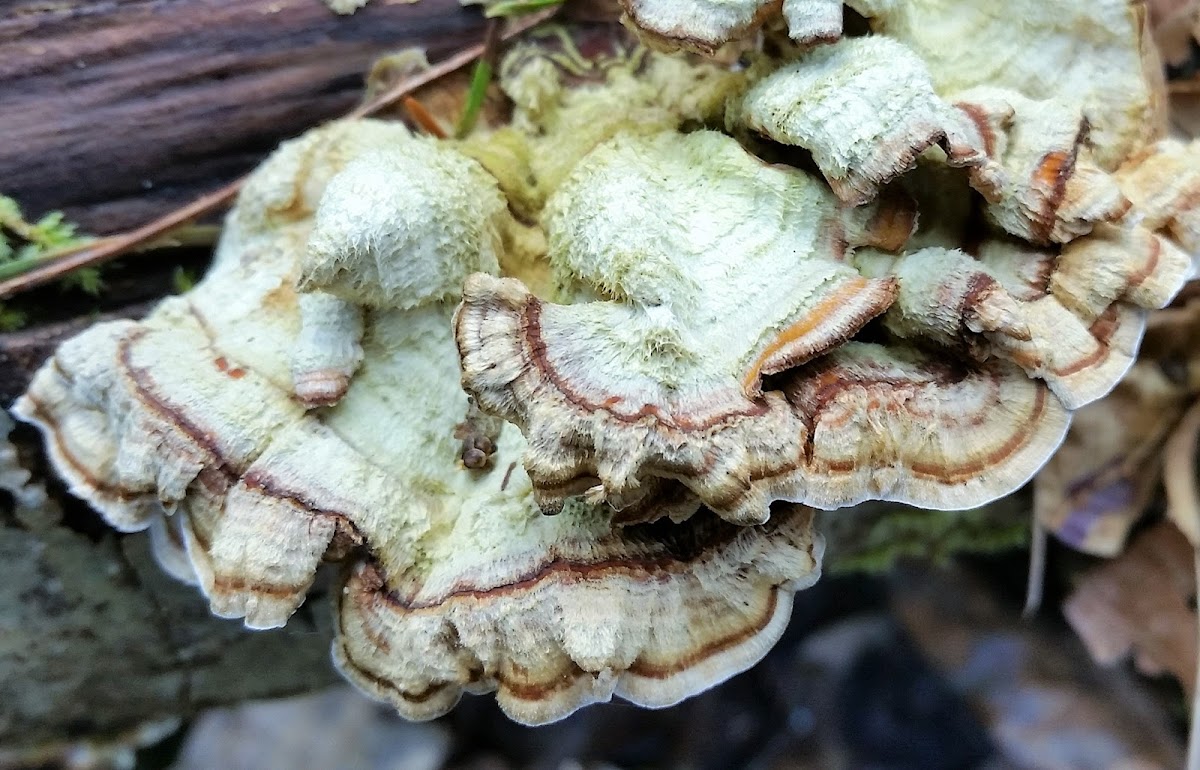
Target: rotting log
point(22, 352)
point(116, 112)
point(96, 640)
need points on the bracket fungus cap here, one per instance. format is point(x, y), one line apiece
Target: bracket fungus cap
point(867, 108)
point(702, 296)
point(454, 580)
point(407, 351)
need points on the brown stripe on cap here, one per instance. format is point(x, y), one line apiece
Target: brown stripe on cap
point(660, 671)
point(107, 489)
point(535, 348)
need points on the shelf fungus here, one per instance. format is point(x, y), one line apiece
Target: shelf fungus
point(1039, 149)
point(866, 108)
point(1096, 56)
point(626, 299)
point(696, 302)
point(705, 25)
point(454, 579)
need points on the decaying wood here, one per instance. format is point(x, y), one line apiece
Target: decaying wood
point(22, 352)
point(117, 112)
point(111, 247)
point(96, 639)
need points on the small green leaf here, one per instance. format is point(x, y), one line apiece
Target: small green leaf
point(183, 280)
point(24, 245)
point(86, 279)
point(480, 79)
point(506, 8)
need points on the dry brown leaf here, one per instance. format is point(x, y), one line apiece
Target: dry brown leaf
point(1142, 604)
point(1100, 481)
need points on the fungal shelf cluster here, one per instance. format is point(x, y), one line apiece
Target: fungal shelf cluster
point(561, 397)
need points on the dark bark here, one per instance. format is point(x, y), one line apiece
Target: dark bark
point(116, 111)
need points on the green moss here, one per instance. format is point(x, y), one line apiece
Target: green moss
point(21, 239)
point(23, 244)
point(11, 320)
point(86, 279)
point(873, 537)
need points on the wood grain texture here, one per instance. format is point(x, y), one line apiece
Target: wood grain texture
point(116, 110)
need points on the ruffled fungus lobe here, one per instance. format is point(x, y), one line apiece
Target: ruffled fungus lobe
point(665, 339)
point(388, 246)
point(455, 579)
point(706, 25)
point(866, 108)
point(1077, 328)
point(633, 387)
point(623, 608)
point(1093, 56)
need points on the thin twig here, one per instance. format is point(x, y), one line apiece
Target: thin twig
point(1179, 474)
point(506, 8)
point(1193, 761)
point(1183, 507)
point(446, 66)
point(188, 235)
point(1191, 86)
point(1037, 568)
point(421, 116)
point(109, 248)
